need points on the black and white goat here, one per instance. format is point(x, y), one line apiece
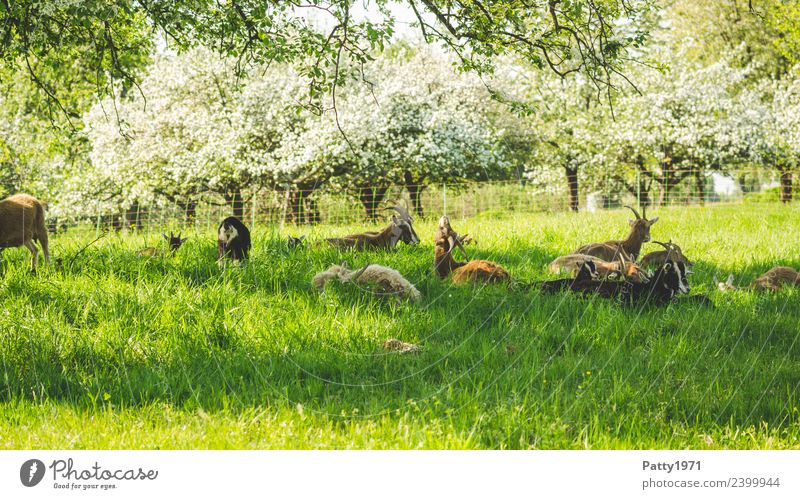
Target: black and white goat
point(587, 273)
point(233, 240)
point(669, 281)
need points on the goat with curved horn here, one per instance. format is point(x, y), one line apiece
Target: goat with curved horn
point(671, 251)
point(401, 229)
point(402, 211)
point(473, 271)
point(635, 213)
point(630, 247)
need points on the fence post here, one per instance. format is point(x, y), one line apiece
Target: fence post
point(253, 217)
point(638, 190)
point(285, 206)
point(97, 228)
point(444, 197)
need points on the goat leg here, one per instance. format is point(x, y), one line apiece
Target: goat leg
point(34, 254)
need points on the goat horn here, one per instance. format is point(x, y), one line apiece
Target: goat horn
point(402, 211)
point(638, 217)
point(358, 272)
point(454, 242)
point(665, 245)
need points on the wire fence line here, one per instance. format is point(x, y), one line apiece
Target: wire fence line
point(279, 208)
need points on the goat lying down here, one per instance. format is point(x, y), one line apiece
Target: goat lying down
point(628, 270)
point(771, 280)
point(587, 273)
point(628, 248)
point(669, 281)
point(446, 239)
point(671, 251)
point(387, 281)
point(401, 229)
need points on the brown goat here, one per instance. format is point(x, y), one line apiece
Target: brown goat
point(771, 280)
point(22, 223)
point(462, 272)
point(776, 277)
point(401, 229)
point(671, 251)
point(628, 248)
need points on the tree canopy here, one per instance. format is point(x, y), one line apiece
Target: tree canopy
point(108, 42)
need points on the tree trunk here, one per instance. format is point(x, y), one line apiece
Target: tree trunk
point(296, 207)
point(133, 218)
point(237, 202)
point(415, 193)
point(786, 186)
point(371, 198)
point(189, 208)
point(700, 180)
point(572, 183)
point(312, 211)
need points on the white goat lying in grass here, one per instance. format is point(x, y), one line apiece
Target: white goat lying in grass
point(387, 281)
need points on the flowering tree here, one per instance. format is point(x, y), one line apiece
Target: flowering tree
point(681, 123)
point(418, 123)
point(200, 130)
point(563, 130)
point(110, 39)
point(769, 123)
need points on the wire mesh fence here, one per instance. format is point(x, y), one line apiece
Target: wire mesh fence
point(278, 208)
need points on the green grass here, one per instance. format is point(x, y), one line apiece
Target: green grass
point(111, 350)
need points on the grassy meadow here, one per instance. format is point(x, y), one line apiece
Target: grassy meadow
point(107, 349)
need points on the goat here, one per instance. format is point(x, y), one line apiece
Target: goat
point(21, 223)
point(388, 281)
point(671, 251)
point(587, 271)
point(174, 242)
point(295, 242)
point(630, 247)
point(771, 280)
point(630, 271)
point(669, 281)
point(401, 229)
point(473, 271)
point(233, 240)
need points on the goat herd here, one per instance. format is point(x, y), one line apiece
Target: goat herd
point(611, 269)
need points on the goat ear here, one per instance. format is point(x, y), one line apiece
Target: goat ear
point(165, 236)
point(301, 238)
point(653, 220)
point(632, 222)
point(343, 265)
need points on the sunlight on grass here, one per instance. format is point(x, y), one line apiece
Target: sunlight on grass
point(111, 350)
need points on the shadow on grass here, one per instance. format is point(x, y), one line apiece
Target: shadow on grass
point(482, 346)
